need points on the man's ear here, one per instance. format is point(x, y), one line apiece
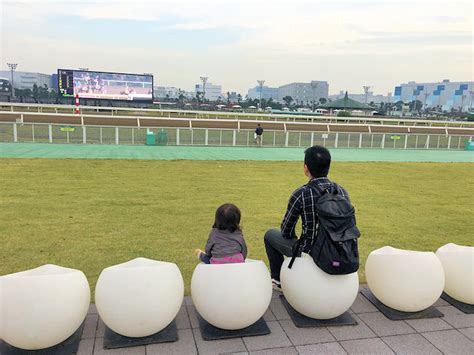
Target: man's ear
point(306, 171)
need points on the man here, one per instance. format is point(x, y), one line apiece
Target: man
point(279, 243)
point(258, 134)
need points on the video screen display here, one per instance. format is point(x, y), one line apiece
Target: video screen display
point(105, 86)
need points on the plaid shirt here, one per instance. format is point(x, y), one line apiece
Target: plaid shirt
point(302, 202)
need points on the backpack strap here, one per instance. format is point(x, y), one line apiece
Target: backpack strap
point(295, 252)
point(321, 191)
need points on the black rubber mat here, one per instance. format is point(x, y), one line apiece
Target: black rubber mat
point(68, 346)
point(393, 314)
point(301, 321)
point(463, 307)
point(113, 340)
point(209, 332)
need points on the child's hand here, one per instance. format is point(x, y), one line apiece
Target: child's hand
point(198, 252)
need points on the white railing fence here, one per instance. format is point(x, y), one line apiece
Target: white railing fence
point(58, 133)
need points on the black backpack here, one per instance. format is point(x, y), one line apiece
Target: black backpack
point(334, 248)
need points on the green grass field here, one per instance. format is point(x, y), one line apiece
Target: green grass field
point(90, 214)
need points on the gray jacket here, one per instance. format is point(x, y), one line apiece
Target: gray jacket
point(222, 243)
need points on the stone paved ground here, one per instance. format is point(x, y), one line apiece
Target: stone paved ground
point(375, 334)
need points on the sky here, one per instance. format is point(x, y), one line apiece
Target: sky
point(380, 43)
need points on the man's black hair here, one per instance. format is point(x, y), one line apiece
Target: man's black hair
point(318, 161)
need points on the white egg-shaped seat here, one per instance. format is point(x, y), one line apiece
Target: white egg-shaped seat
point(140, 297)
point(231, 296)
point(314, 293)
point(42, 307)
point(405, 280)
point(458, 265)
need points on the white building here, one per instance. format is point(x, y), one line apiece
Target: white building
point(304, 93)
point(301, 93)
point(377, 99)
point(26, 80)
point(166, 92)
point(444, 94)
point(212, 92)
point(267, 93)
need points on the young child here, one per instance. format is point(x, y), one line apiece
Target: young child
point(225, 243)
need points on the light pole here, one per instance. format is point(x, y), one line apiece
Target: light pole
point(426, 94)
point(366, 92)
point(462, 102)
point(314, 86)
point(414, 99)
point(12, 67)
point(260, 83)
point(471, 93)
point(204, 81)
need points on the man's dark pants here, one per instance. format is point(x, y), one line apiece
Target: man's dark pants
point(277, 246)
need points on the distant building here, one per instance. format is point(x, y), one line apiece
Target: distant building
point(212, 93)
point(304, 93)
point(54, 82)
point(267, 93)
point(166, 92)
point(301, 93)
point(233, 97)
point(444, 94)
point(26, 80)
point(5, 88)
point(376, 99)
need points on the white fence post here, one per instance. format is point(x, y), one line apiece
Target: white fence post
point(360, 140)
point(206, 137)
point(449, 142)
point(84, 135)
point(33, 132)
point(406, 141)
point(286, 138)
point(234, 137)
point(50, 133)
point(116, 135)
point(336, 139)
point(100, 135)
point(177, 136)
point(427, 144)
point(15, 133)
point(312, 138)
point(382, 145)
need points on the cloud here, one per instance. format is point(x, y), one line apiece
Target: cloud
point(191, 26)
point(281, 40)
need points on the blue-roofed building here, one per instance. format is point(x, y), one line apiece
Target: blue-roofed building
point(444, 94)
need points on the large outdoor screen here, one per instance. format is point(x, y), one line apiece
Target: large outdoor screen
point(105, 86)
